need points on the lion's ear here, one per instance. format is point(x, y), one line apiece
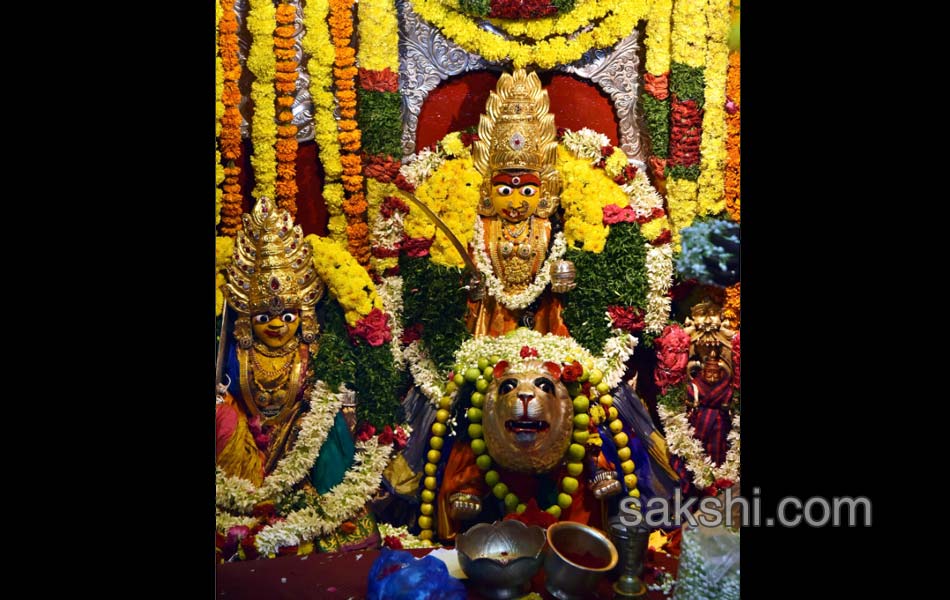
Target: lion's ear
point(500, 368)
point(553, 368)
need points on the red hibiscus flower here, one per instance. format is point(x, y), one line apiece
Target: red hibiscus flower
point(533, 515)
point(672, 353)
point(374, 328)
point(664, 237)
point(628, 318)
point(386, 437)
point(400, 438)
point(391, 541)
point(365, 431)
point(468, 138)
point(616, 214)
point(526, 352)
point(572, 371)
point(416, 247)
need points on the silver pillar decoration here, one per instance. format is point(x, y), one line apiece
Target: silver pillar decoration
point(427, 59)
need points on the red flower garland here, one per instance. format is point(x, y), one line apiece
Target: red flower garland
point(685, 133)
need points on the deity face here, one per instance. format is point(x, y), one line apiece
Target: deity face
point(275, 331)
point(515, 194)
point(527, 420)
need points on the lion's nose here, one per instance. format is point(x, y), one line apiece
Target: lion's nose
point(525, 396)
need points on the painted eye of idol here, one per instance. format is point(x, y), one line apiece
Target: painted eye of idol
point(503, 190)
point(261, 318)
point(507, 385)
point(288, 317)
point(544, 384)
point(529, 190)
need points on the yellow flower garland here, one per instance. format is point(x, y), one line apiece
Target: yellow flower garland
point(316, 43)
point(689, 32)
point(713, 144)
point(376, 191)
point(452, 192)
point(223, 249)
point(688, 46)
point(346, 280)
point(585, 192)
point(556, 50)
point(377, 21)
point(658, 37)
point(261, 21)
point(561, 24)
point(333, 196)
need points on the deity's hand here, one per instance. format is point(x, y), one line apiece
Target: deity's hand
point(464, 506)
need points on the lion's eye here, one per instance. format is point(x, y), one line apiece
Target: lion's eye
point(507, 385)
point(544, 384)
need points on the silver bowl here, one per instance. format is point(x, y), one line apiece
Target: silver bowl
point(568, 574)
point(501, 558)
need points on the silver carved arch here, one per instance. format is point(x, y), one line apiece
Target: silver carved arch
point(427, 58)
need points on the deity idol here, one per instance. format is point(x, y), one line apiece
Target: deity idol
point(537, 432)
point(274, 288)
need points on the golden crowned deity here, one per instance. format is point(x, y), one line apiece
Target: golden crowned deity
point(274, 288)
point(516, 155)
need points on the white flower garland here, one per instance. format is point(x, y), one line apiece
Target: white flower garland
point(681, 440)
point(418, 167)
point(585, 143)
point(342, 502)
point(405, 538)
point(659, 266)
point(643, 197)
point(224, 521)
point(390, 292)
point(238, 494)
point(497, 289)
point(424, 371)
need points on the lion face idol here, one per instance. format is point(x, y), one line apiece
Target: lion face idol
point(528, 418)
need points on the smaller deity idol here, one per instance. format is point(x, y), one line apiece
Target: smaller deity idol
point(273, 287)
point(709, 377)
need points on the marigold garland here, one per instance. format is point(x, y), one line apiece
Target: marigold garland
point(218, 113)
point(286, 186)
point(564, 23)
point(346, 280)
point(552, 51)
point(261, 61)
point(316, 43)
point(732, 174)
point(713, 144)
point(689, 32)
point(658, 37)
point(230, 133)
point(354, 202)
point(731, 307)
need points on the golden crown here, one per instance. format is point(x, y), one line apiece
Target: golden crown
point(272, 269)
point(517, 133)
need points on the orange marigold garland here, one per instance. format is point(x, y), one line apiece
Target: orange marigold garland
point(230, 140)
point(344, 73)
point(732, 304)
point(732, 142)
point(285, 84)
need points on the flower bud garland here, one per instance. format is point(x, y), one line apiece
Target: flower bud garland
point(230, 136)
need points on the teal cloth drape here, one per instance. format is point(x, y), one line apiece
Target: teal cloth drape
point(336, 456)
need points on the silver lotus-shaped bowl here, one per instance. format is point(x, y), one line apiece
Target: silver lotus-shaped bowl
point(501, 558)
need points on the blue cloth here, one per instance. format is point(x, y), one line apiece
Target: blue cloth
point(398, 575)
